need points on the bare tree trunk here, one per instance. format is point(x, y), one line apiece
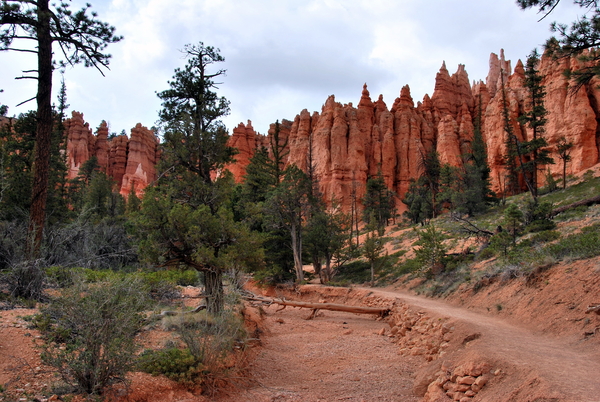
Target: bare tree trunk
point(381, 311)
point(297, 250)
point(213, 283)
point(37, 212)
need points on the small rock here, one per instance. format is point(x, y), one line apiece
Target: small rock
point(497, 372)
point(470, 393)
point(468, 380)
point(481, 381)
point(381, 331)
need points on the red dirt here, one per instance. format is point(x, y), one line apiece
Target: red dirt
point(530, 336)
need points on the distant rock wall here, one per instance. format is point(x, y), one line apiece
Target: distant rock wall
point(131, 162)
point(350, 144)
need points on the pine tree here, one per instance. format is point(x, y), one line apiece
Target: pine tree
point(422, 195)
point(378, 202)
point(82, 39)
point(563, 147)
point(474, 194)
point(186, 218)
point(287, 209)
point(581, 39)
point(535, 118)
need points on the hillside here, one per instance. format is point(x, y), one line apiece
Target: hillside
point(517, 326)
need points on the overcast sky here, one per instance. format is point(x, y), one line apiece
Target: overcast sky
point(283, 56)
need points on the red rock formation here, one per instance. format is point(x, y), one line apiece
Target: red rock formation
point(141, 161)
point(79, 141)
point(350, 144)
point(244, 140)
point(130, 162)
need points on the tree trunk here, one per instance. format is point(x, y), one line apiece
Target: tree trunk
point(372, 272)
point(564, 174)
point(213, 283)
point(37, 212)
point(297, 250)
point(328, 270)
point(381, 311)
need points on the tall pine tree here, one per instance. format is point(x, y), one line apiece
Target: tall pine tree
point(535, 118)
point(186, 218)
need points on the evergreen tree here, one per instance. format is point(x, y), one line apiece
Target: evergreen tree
point(287, 209)
point(372, 248)
point(474, 193)
point(581, 39)
point(563, 147)
point(327, 232)
point(512, 145)
point(535, 118)
point(378, 202)
point(418, 200)
point(18, 142)
point(431, 249)
point(422, 194)
point(186, 218)
point(82, 39)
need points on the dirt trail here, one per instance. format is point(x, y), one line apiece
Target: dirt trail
point(341, 356)
point(334, 357)
point(566, 363)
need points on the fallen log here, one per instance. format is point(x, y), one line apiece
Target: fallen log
point(587, 202)
point(380, 311)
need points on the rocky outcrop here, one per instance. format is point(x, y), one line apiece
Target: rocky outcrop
point(142, 157)
point(131, 162)
point(346, 144)
point(349, 144)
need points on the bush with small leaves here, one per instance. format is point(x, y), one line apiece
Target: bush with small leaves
point(176, 364)
point(91, 332)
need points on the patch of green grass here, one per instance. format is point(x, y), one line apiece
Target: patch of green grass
point(589, 187)
point(585, 244)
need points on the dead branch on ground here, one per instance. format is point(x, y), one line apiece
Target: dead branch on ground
point(587, 202)
point(380, 311)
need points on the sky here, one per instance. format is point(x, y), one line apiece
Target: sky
point(283, 56)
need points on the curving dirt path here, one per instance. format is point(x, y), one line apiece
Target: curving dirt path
point(342, 357)
point(568, 364)
point(334, 357)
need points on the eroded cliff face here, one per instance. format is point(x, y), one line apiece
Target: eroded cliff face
point(349, 144)
point(129, 161)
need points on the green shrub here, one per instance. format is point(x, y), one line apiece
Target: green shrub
point(211, 341)
point(545, 237)
point(354, 272)
point(25, 280)
point(91, 332)
point(578, 245)
point(409, 266)
point(540, 225)
point(177, 364)
point(486, 253)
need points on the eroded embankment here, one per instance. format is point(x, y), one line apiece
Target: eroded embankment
point(467, 356)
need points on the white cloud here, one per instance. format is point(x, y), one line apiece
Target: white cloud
point(284, 55)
